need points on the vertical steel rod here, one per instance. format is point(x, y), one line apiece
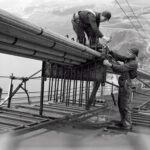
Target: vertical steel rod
point(42, 89)
point(70, 86)
point(49, 86)
point(55, 87)
point(51, 94)
point(62, 82)
point(67, 92)
point(64, 85)
point(57, 90)
point(87, 84)
point(74, 73)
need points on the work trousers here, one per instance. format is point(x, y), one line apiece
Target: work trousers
point(124, 101)
point(80, 30)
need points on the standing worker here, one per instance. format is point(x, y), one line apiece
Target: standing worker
point(128, 71)
point(88, 21)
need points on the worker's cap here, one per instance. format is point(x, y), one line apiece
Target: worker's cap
point(106, 14)
point(134, 51)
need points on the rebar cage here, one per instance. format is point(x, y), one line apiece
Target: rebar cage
point(73, 84)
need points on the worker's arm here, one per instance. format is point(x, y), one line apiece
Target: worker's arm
point(118, 57)
point(124, 68)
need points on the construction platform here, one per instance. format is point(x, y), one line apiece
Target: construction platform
point(25, 118)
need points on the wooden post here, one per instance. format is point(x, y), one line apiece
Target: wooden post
point(42, 89)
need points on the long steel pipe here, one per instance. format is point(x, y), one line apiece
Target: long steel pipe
point(18, 22)
point(22, 38)
point(12, 48)
point(36, 58)
point(37, 48)
point(65, 41)
point(25, 26)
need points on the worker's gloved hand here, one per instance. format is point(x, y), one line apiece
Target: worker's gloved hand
point(107, 39)
point(107, 63)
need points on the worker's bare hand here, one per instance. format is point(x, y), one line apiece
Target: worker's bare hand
point(107, 63)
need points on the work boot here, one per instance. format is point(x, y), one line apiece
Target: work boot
point(129, 128)
point(119, 124)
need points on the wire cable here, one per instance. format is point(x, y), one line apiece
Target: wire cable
point(138, 21)
point(130, 20)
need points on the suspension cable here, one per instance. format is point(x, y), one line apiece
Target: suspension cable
point(130, 20)
point(138, 21)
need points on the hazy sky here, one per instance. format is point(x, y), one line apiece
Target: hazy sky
point(18, 6)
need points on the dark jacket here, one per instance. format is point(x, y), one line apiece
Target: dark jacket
point(90, 20)
point(128, 69)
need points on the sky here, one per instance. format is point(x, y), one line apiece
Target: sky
point(18, 6)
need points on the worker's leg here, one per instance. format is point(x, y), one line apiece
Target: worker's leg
point(93, 94)
point(91, 36)
point(124, 104)
point(77, 27)
point(120, 104)
point(93, 39)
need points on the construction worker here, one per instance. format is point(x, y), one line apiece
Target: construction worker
point(88, 21)
point(128, 71)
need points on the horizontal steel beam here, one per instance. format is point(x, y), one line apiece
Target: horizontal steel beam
point(24, 51)
point(36, 58)
point(37, 48)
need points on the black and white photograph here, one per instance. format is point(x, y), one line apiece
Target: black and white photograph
point(74, 75)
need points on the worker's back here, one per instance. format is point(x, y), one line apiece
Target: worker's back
point(88, 17)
